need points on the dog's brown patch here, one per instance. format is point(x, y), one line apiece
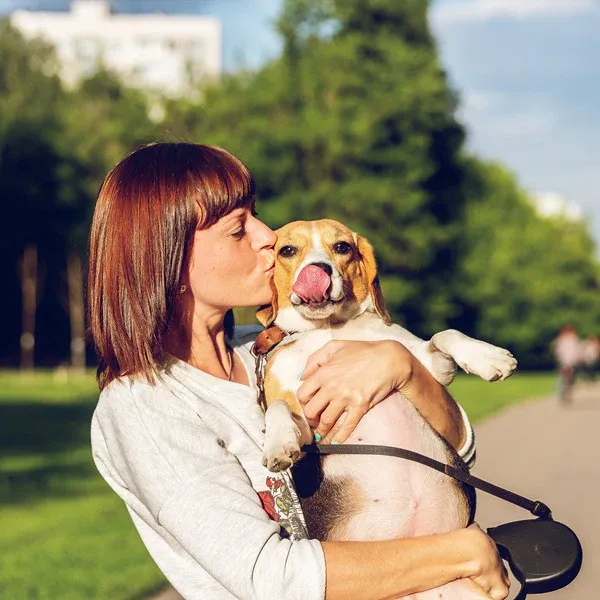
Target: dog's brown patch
point(327, 504)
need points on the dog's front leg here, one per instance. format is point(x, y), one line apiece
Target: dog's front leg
point(442, 366)
point(474, 356)
point(286, 427)
point(282, 437)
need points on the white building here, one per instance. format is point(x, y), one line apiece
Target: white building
point(159, 52)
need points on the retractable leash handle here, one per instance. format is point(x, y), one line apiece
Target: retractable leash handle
point(544, 555)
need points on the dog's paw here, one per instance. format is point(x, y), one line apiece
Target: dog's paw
point(281, 457)
point(489, 362)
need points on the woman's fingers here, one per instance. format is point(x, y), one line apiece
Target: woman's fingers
point(491, 573)
point(476, 592)
point(314, 407)
point(329, 418)
point(320, 357)
point(334, 383)
point(505, 577)
point(307, 390)
point(345, 425)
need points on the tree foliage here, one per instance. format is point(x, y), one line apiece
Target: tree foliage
point(355, 121)
point(523, 276)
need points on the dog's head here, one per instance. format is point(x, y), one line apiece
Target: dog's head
point(325, 274)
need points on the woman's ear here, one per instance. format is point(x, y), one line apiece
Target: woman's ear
point(370, 268)
point(267, 314)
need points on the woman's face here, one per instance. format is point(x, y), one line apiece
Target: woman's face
point(232, 262)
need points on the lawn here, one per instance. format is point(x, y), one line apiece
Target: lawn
point(65, 535)
point(481, 399)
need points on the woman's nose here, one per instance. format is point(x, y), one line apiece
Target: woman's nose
point(265, 236)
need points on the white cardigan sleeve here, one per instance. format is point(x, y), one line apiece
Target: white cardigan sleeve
point(467, 452)
point(201, 519)
point(216, 521)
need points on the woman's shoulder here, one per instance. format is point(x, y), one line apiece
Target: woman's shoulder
point(133, 398)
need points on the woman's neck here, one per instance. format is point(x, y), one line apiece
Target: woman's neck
point(200, 341)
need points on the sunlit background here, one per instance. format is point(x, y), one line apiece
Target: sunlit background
point(460, 136)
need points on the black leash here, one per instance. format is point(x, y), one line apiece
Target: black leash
point(535, 507)
point(544, 555)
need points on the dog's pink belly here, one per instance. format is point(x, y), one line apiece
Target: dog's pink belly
point(400, 498)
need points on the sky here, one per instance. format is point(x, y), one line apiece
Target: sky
point(527, 73)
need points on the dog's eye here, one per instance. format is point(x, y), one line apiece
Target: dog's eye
point(287, 251)
point(342, 248)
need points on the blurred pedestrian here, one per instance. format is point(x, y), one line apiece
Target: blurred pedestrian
point(590, 356)
point(567, 349)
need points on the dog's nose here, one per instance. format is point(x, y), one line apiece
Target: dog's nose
point(327, 268)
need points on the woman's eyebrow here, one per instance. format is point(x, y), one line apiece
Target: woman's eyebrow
point(234, 214)
point(232, 218)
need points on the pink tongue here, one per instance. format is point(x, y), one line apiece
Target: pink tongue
point(312, 284)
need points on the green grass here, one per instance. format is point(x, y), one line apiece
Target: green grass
point(481, 399)
point(64, 534)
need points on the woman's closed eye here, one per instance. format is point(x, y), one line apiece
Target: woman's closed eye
point(239, 233)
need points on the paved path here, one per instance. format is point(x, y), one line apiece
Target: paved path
point(551, 453)
point(546, 452)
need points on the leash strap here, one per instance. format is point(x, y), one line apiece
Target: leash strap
point(260, 380)
point(535, 507)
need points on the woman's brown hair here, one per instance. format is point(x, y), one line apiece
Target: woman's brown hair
point(147, 211)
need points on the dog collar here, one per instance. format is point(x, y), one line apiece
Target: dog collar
point(267, 340)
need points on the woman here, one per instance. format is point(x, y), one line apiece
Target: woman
point(177, 433)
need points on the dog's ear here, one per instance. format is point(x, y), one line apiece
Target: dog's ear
point(267, 314)
point(370, 268)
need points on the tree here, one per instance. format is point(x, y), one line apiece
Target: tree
point(54, 153)
point(28, 181)
point(355, 122)
point(522, 276)
point(120, 123)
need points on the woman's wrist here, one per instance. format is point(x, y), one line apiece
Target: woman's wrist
point(402, 362)
point(466, 560)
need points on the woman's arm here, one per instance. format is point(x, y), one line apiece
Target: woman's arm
point(432, 400)
point(335, 383)
point(398, 568)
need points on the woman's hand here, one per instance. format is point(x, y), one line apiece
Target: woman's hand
point(485, 567)
point(344, 379)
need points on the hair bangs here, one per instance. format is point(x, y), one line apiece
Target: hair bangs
point(221, 184)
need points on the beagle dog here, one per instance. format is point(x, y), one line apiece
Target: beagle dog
point(326, 287)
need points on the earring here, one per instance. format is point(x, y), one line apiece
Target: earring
point(182, 289)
